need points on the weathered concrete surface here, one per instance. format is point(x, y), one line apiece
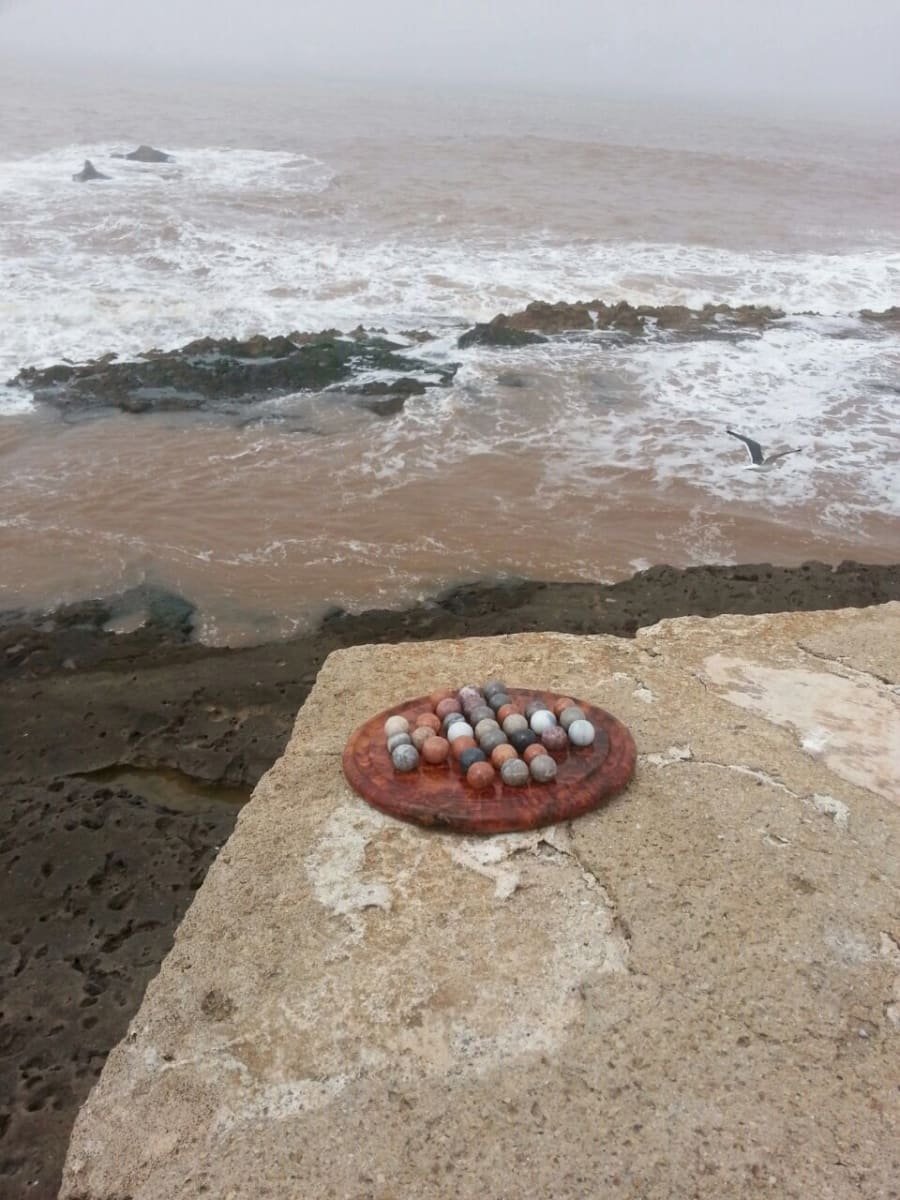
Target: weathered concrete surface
point(694, 992)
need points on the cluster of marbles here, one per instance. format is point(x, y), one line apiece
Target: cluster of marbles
point(486, 734)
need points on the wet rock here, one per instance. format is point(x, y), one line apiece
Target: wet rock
point(88, 172)
point(224, 373)
point(147, 154)
point(500, 334)
point(540, 318)
point(889, 317)
point(513, 379)
point(386, 399)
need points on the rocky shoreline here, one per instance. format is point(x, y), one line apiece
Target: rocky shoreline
point(231, 375)
point(126, 756)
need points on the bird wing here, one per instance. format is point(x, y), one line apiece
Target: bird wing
point(781, 454)
point(754, 449)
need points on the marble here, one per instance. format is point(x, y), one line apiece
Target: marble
point(555, 739)
point(405, 758)
point(441, 694)
point(484, 725)
point(581, 733)
point(398, 739)
point(436, 750)
point(470, 694)
point(480, 775)
point(515, 773)
point(513, 722)
point(570, 714)
point(395, 725)
point(521, 739)
point(543, 768)
point(533, 751)
point(498, 699)
point(458, 745)
point(542, 720)
point(459, 729)
point(504, 711)
point(535, 706)
point(472, 755)
point(420, 736)
point(451, 719)
point(492, 738)
point(429, 721)
point(501, 754)
point(444, 707)
point(561, 704)
point(481, 713)
point(492, 686)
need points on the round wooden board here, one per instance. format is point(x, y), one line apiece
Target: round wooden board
point(438, 796)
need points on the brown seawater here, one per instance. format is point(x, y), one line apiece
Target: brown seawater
point(306, 208)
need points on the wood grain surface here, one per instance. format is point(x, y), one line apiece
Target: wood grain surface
point(438, 796)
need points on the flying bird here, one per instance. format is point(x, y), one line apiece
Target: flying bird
point(758, 460)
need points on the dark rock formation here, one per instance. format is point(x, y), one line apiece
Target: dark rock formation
point(146, 154)
point(889, 317)
point(225, 372)
point(386, 398)
point(88, 172)
point(500, 334)
point(539, 318)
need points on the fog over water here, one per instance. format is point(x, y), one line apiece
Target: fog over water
point(824, 53)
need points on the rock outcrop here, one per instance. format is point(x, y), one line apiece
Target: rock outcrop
point(225, 373)
point(147, 154)
point(694, 991)
point(540, 320)
point(88, 173)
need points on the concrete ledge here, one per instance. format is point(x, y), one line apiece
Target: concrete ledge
point(694, 992)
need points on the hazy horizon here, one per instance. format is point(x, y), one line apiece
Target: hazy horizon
point(819, 56)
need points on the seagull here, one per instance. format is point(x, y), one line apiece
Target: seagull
point(758, 460)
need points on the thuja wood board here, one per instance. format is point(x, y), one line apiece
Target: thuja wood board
point(439, 797)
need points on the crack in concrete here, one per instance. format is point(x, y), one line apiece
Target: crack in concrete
point(829, 806)
point(846, 671)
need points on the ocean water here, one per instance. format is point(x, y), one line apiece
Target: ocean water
point(309, 206)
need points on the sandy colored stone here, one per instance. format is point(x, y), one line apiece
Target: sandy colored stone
point(693, 992)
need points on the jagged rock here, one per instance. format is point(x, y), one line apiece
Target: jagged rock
point(590, 315)
point(551, 318)
point(498, 333)
point(418, 335)
point(88, 172)
point(222, 372)
point(387, 398)
point(888, 316)
point(147, 154)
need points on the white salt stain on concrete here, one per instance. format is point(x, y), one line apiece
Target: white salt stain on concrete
point(281, 1101)
point(494, 857)
point(890, 951)
point(674, 754)
point(851, 725)
point(830, 807)
point(335, 865)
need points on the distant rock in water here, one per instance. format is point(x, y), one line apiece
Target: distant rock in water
point(88, 172)
point(146, 154)
point(540, 320)
point(227, 374)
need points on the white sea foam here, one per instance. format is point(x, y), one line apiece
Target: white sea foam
point(229, 241)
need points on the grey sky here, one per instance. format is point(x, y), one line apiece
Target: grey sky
point(841, 52)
